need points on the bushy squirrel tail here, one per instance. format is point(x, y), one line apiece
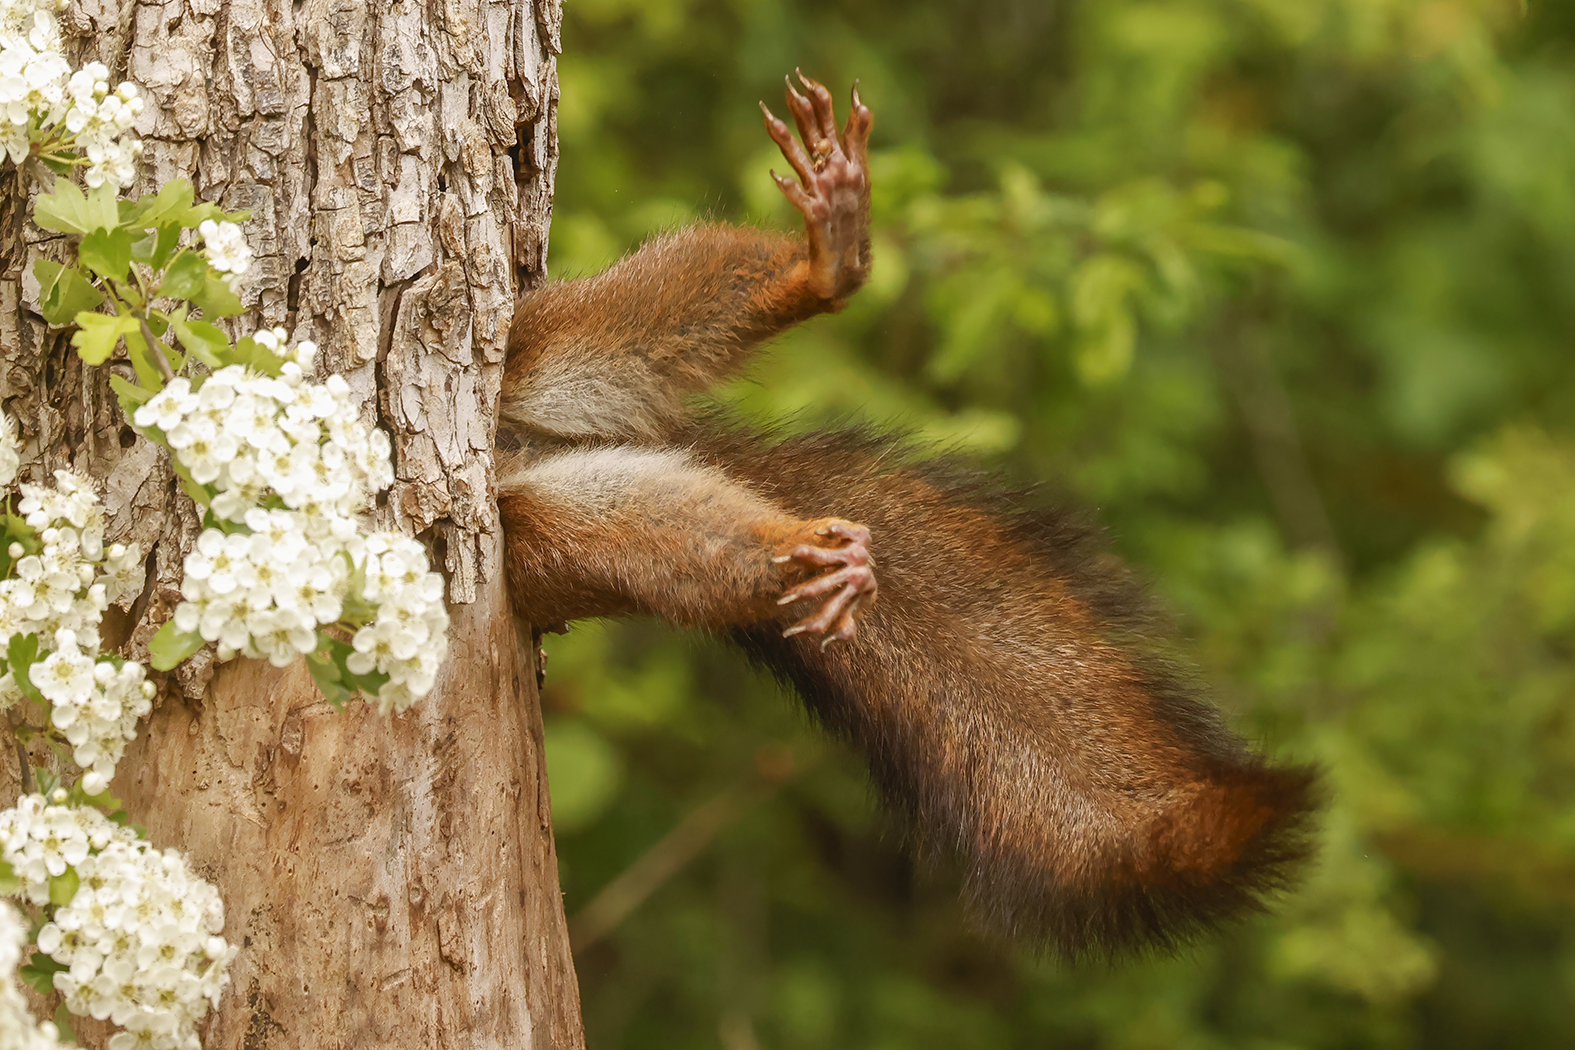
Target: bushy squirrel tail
point(1014, 713)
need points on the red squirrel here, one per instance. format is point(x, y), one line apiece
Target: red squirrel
point(987, 658)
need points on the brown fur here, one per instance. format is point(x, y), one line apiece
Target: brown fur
point(1016, 715)
point(678, 316)
point(617, 530)
point(1004, 690)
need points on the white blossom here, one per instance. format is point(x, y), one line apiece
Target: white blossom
point(226, 247)
point(140, 939)
point(69, 582)
point(40, 96)
point(264, 583)
point(18, 1029)
point(100, 121)
point(408, 638)
point(59, 596)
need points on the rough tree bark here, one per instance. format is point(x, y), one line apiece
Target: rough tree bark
point(391, 881)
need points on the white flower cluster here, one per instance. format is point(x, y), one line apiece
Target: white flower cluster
point(95, 703)
point(59, 595)
point(21, 18)
point(408, 638)
point(249, 437)
point(18, 1030)
point(33, 77)
point(288, 459)
point(38, 90)
point(140, 938)
point(226, 246)
point(101, 121)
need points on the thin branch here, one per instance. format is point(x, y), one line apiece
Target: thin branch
point(156, 348)
point(1276, 441)
point(690, 838)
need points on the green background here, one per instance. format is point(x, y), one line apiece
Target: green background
point(1286, 289)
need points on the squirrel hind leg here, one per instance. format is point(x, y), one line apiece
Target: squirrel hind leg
point(621, 530)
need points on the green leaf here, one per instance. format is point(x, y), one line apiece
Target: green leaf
point(15, 530)
point(97, 334)
point(67, 210)
point(40, 973)
point(102, 800)
point(186, 276)
point(338, 653)
point(106, 252)
point(21, 655)
point(143, 247)
point(171, 645)
point(369, 683)
point(172, 204)
point(357, 610)
point(130, 394)
point(325, 672)
point(63, 292)
point(175, 204)
point(202, 495)
point(63, 1024)
point(249, 353)
point(157, 246)
point(208, 343)
point(217, 299)
point(10, 883)
point(63, 887)
point(147, 375)
point(142, 358)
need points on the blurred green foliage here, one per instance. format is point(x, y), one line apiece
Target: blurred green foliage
point(1286, 288)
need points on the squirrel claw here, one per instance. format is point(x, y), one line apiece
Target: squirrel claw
point(844, 591)
point(832, 188)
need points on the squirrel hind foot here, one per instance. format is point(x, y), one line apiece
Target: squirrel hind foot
point(843, 579)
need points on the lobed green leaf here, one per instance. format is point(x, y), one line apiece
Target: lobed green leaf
point(63, 1027)
point(156, 246)
point(129, 394)
point(186, 276)
point(63, 292)
point(205, 341)
point(63, 887)
point(97, 335)
point(172, 204)
point(106, 252)
point(39, 974)
point(67, 210)
point(171, 645)
point(326, 672)
point(142, 358)
point(21, 654)
point(249, 353)
point(217, 298)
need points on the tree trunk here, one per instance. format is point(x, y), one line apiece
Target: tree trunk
point(391, 880)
